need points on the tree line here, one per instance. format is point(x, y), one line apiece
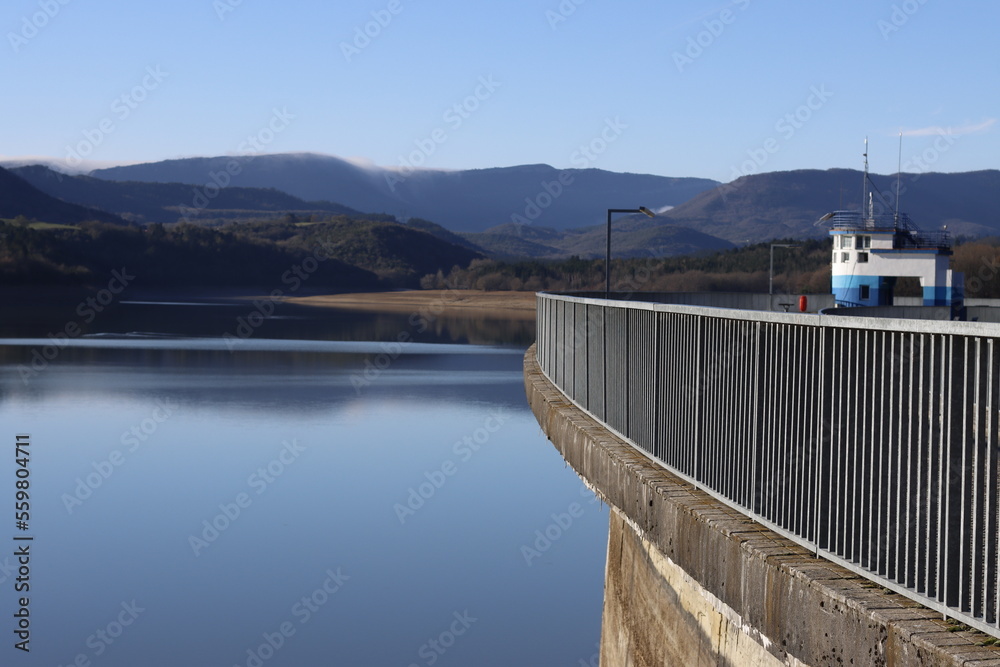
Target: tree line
point(378, 253)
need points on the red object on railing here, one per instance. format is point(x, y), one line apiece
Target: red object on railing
point(803, 303)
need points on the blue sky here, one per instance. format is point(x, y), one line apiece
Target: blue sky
point(680, 88)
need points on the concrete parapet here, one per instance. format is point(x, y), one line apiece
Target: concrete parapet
point(691, 581)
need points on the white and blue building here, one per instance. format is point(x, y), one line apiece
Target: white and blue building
point(871, 252)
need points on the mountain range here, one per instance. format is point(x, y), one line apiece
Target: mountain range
point(787, 204)
point(463, 201)
point(19, 198)
point(526, 211)
point(145, 202)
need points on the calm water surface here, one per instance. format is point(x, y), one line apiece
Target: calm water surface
point(312, 495)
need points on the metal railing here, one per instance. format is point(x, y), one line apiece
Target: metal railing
point(906, 233)
point(871, 442)
point(940, 240)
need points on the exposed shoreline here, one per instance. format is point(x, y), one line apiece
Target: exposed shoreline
point(499, 304)
point(507, 305)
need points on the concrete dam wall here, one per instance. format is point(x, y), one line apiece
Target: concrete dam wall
point(692, 581)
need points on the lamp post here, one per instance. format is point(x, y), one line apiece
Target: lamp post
point(607, 258)
point(770, 275)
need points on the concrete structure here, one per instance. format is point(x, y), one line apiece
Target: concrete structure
point(871, 252)
point(691, 581)
point(736, 446)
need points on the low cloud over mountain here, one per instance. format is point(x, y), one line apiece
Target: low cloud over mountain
point(469, 201)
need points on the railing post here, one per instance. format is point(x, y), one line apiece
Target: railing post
point(699, 398)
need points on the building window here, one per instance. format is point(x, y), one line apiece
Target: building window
point(848, 242)
point(866, 241)
point(862, 257)
point(845, 257)
point(836, 242)
point(865, 292)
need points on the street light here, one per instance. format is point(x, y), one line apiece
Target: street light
point(607, 259)
point(770, 275)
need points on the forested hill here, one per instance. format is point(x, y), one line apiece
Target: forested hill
point(336, 255)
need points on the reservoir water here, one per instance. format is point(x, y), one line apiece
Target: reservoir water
point(330, 488)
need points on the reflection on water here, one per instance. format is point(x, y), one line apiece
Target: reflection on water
point(253, 318)
point(294, 503)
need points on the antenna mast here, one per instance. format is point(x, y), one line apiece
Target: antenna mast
point(899, 170)
point(864, 181)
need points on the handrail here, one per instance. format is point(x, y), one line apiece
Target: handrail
point(872, 442)
point(906, 233)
